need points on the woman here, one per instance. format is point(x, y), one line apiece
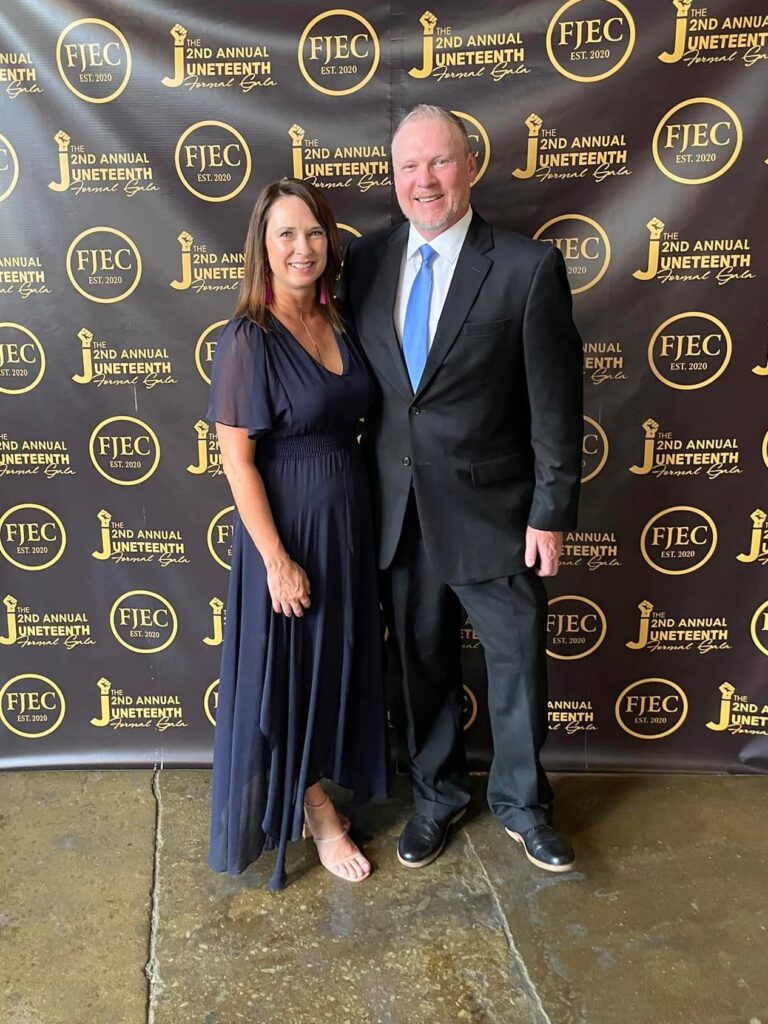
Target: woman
point(301, 693)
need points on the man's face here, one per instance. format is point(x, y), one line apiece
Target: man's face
point(433, 174)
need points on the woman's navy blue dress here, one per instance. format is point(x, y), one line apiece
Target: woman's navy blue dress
point(300, 699)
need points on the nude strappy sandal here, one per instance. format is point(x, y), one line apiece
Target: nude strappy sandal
point(333, 866)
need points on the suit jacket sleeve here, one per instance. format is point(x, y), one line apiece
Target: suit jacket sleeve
point(342, 294)
point(553, 365)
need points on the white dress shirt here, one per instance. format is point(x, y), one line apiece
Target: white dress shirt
point(447, 246)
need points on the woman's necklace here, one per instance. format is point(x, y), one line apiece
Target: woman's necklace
point(311, 338)
point(293, 316)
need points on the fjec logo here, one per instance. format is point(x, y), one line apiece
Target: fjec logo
point(468, 708)
point(205, 349)
point(213, 161)
point(479, 142)
point(585, 247)
point(31, 706)
point(576, 627)
point(338, 52)
point(651, 709)
point(759, 628)
point(690, 350)
point(219, 537)
point(9, 168)
point(697, 141)
point(678, 540)
point(94, 60)
point(104, 265)
point(32, 537)
point(594, 449)
point(590, 40)
point(211, 701)
point(22, 359)
point(143, 621)
point(124, 450)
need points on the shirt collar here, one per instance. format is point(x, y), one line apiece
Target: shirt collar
point(447, 244)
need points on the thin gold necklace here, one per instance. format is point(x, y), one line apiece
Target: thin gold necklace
point(303, 323)
point(311, 338)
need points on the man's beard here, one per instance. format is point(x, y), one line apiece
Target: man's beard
point(439, 225)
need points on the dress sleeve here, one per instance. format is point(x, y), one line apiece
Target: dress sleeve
point(239, 395)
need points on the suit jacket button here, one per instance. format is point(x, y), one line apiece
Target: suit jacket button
point(415, 410)
point(406, 461)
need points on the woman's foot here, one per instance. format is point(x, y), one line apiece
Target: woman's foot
point(337, 853)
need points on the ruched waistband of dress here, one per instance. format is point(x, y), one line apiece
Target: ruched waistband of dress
point(302, 446)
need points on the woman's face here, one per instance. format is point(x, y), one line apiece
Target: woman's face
point(297, 246)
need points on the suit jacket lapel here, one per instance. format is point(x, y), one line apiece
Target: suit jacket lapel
point(471, 270)
point(383, 297)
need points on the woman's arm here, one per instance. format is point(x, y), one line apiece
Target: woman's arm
point(287, 581)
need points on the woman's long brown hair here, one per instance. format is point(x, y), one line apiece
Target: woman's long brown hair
point(252, 301)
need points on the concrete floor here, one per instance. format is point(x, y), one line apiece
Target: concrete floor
point(108, 914)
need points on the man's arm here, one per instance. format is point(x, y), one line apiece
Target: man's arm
point(342, 294)
point(553, 365)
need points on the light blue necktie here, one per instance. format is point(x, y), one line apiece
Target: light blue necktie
point(416, 327)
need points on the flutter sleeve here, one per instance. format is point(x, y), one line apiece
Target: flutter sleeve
point(239, 395)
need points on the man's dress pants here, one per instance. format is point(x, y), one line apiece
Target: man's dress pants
point(509, 617)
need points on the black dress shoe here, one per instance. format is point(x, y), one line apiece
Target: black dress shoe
point(545, 848)
point(422, 840)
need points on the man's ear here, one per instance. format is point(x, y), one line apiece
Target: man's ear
point(472, 164)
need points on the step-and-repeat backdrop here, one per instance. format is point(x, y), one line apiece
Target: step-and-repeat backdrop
point(133, 141)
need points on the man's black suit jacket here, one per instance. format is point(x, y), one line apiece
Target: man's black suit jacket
point(491, 441)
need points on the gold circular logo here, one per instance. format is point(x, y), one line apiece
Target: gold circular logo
point(340, 57)
point(590, 40)
point(205, 349)
point(143, 621)
point(758, 628)
point(765, 449)
point(9, 168)
point(219, 537)
point(594, 449)
point(32, 537)
point(575, 628)
point(585, 247)
point(94, 60)
point(127, 454)
point(31, 706)
point(690, 350)
point(468, 708)
point(104, 270)
point(651, 709)
point(478, 141)
point(211, 701)
point(213, 161)
point(349, 230)
point(678, 540)
point(22, 359)
point(697, 141)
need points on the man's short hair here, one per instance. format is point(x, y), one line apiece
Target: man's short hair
point(424, 110)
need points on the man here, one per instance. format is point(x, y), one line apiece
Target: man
point(474, 448)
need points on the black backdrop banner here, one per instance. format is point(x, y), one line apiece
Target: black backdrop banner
point(133, 141)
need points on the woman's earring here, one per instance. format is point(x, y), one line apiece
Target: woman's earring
point(323, 300)
point(268, 296)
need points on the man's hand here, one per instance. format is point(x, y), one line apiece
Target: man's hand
point(544, 547)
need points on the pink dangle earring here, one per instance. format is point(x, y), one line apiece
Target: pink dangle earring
point(323, 300)
point(268, 296)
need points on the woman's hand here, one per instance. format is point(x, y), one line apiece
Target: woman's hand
point(288, 587)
